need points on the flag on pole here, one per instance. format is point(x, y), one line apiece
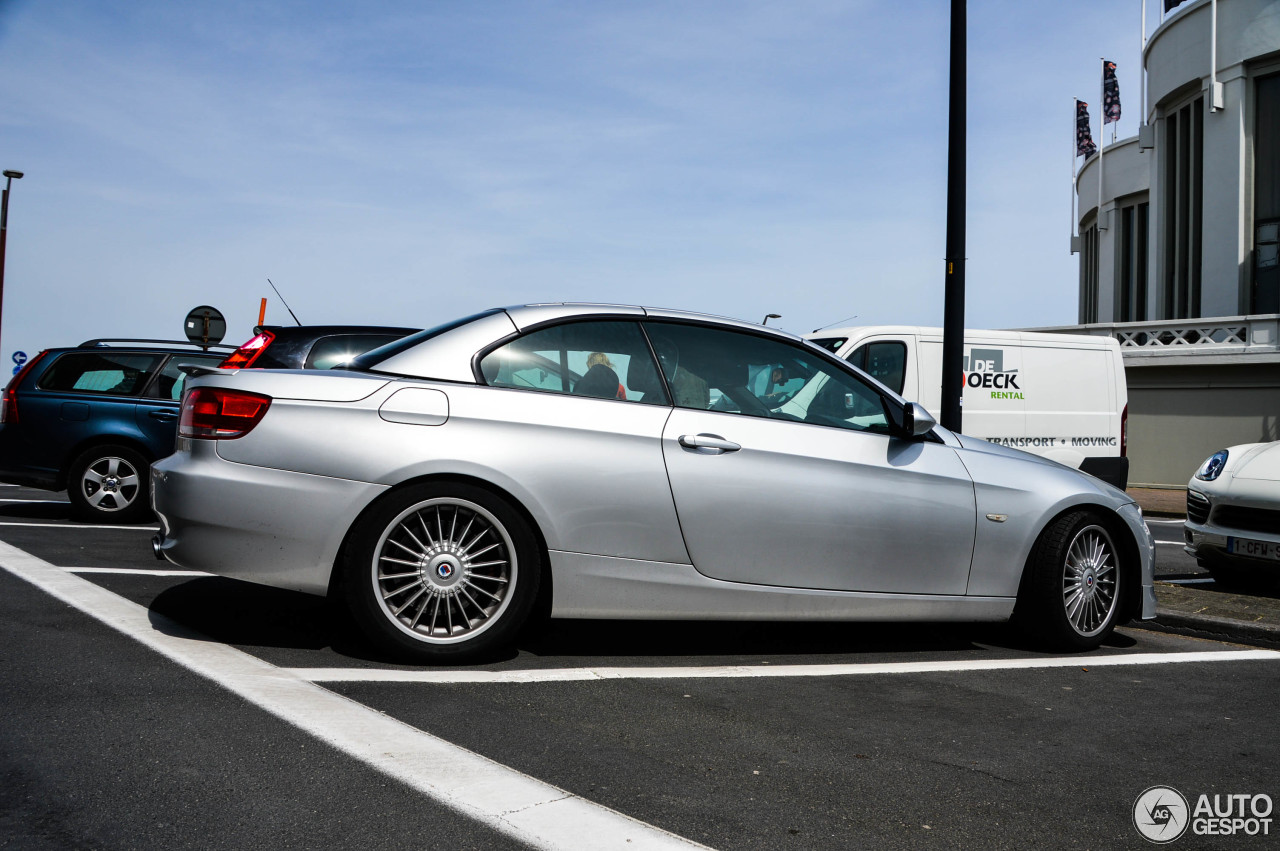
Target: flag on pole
point(1110, 93)
point(1084, 139)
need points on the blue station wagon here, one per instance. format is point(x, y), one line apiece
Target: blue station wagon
point(93, 418)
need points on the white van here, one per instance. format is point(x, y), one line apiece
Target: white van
point(1062, 396)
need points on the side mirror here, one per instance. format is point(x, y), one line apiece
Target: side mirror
point(917, 422)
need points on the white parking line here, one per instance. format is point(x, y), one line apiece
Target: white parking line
point(136, 571)
point(501, 798)
point(559, 675)
point(82, 526)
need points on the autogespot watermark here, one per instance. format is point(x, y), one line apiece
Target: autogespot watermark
point(1162, 814)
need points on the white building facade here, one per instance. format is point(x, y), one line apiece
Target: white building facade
point(1179, 239)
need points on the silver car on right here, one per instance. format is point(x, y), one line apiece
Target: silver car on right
point(1233, 513)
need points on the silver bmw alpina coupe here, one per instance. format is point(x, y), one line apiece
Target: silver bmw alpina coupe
point(626, 462)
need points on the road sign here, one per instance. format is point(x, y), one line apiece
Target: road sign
point(204, 325)
point(19, 358)
point(17, 369)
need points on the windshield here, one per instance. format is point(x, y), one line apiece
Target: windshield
point(831, 344)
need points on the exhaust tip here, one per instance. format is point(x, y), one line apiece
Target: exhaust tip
point(157, 541)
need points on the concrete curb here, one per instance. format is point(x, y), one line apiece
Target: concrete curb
point(1208, 626)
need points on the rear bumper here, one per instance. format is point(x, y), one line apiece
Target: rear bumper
point(1112, 470)
point(273, 527)
point(15, 463)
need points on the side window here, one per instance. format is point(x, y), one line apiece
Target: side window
point(168, 385)
point(337, 349)
point(108, 373)
point(721, 370)
point(884, 360)
point(605, 359)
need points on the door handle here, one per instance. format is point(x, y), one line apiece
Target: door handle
point(714, 442)
point(163, 416)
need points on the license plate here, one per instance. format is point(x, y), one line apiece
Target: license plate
point(1254, 549)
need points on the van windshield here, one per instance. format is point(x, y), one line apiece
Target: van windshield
point(831, 344)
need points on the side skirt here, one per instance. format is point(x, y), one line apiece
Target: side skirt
point(588, 586)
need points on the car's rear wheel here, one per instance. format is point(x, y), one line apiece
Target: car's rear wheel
point(1071, 593)
point(110, 484)
point(442, 572)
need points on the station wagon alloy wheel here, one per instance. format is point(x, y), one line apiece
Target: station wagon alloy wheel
point(109, 484)
point(442, 571)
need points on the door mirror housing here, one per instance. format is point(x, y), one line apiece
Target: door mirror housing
point(916, 421)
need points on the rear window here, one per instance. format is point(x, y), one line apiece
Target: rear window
point(831, 344)
point(338, 349)
point(107, 373)
point(369, 360)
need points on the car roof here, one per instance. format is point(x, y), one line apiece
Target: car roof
point(120, 343)
point(528, 315)
point(448, 355)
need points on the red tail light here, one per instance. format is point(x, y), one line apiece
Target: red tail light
point(244, 356)
point(1124, 432)
point(210, 413)
point(9, 402)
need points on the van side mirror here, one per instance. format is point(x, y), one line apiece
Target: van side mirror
point(917, 422)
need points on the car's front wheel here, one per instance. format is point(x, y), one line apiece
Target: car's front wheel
point(442, 572)
point(1071, 593)
point(110, 484)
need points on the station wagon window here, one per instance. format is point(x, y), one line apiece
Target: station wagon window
point(170, 381)
point(884, 360)
point(721, 370)
point(604, 359)
point(108, 373)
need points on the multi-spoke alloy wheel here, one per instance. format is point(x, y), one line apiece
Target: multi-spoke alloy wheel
point(109, 484)
point(1089, 580)
point(1072, 589)
point(442, 571)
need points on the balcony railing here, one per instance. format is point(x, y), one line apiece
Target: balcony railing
point(1258, 334)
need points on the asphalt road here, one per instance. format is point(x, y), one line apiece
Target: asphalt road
point(144, 709)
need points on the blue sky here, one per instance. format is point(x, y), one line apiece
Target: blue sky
point(409, 162)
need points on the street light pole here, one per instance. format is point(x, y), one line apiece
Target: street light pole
point(953, 316)
point(10, 175)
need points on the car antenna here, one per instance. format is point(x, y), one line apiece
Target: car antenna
point(285, 303)
point(816, 330)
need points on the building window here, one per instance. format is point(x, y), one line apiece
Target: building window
point(1131, 262)
point(1089, 275)
point(1183, 196)
point(1265, 297)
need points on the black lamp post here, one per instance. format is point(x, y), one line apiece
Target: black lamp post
point(10, 176)
point(953, 305)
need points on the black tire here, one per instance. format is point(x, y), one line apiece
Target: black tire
point(110, 483)
point(1074, 584)
point(442, 572)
